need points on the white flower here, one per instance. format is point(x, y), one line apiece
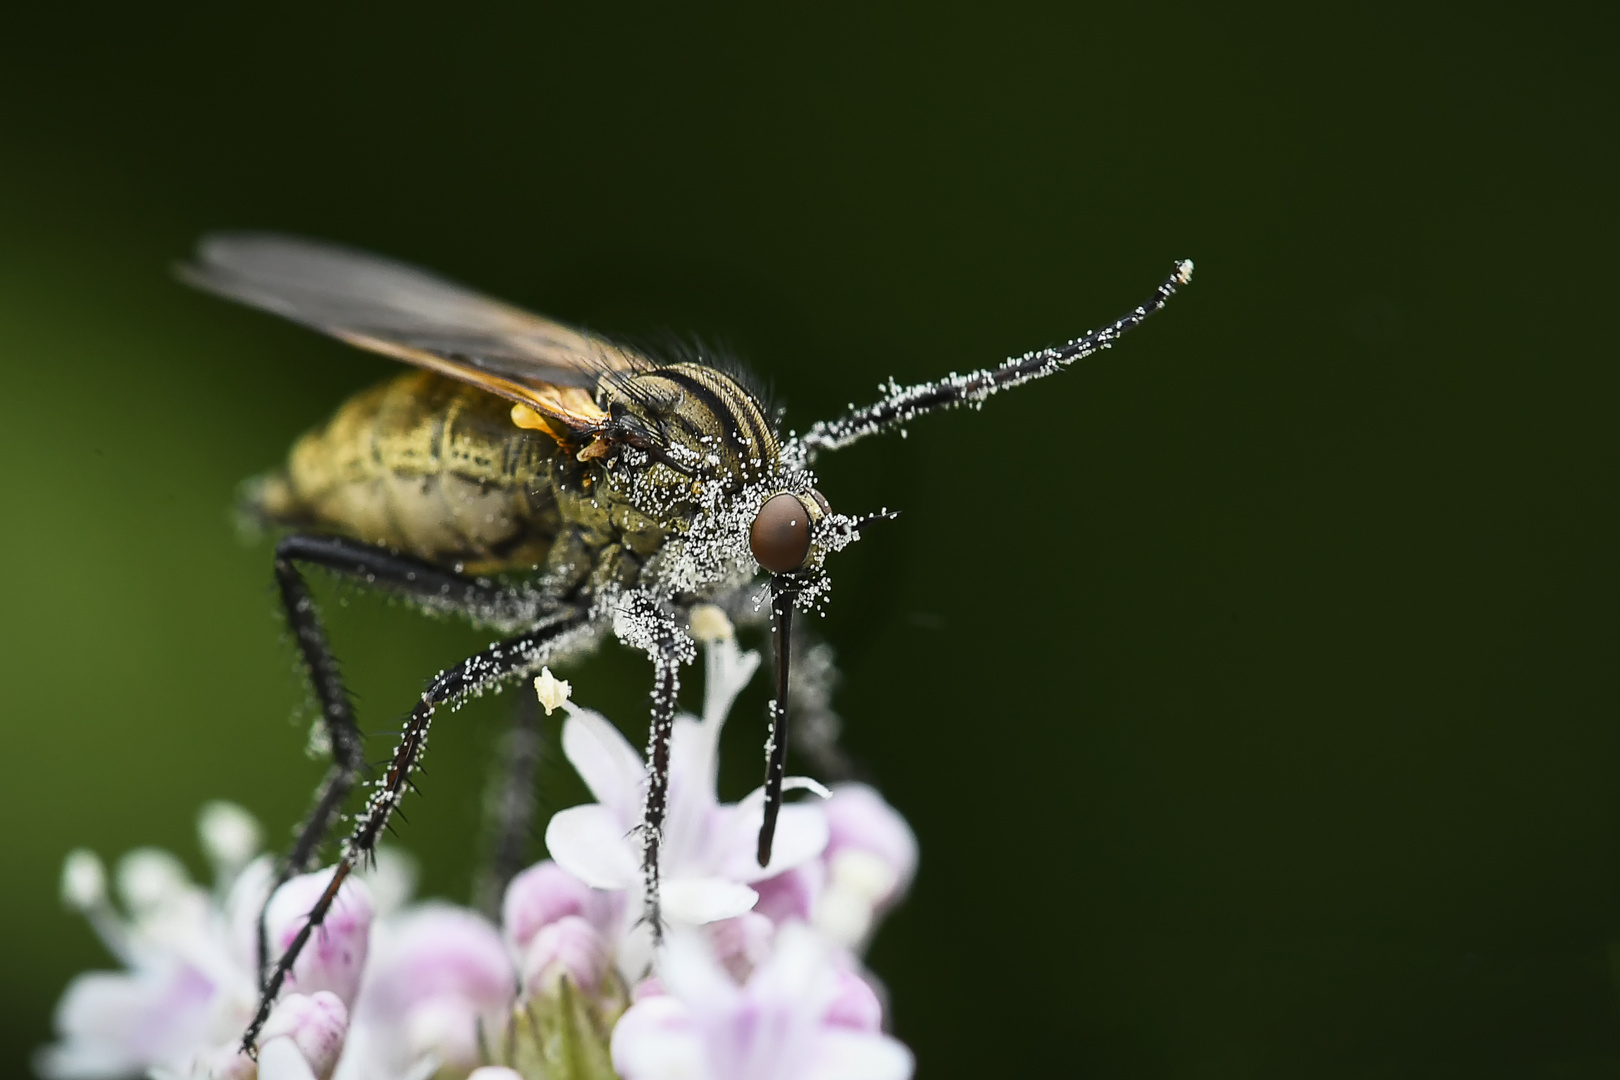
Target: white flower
point(798, 1016)
point(756, 984)
point(187, 988)
point(190, 979)
point(708, 851)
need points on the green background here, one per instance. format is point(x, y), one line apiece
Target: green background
point(1251, 687)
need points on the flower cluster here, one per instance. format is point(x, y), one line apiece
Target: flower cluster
point(760, 974)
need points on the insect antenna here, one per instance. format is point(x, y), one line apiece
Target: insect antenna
point(905, 403)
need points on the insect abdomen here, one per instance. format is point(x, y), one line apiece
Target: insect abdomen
point(429, 466)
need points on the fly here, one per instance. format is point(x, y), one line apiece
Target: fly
point(552, 485)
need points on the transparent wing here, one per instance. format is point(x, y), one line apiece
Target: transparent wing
point(412, 315)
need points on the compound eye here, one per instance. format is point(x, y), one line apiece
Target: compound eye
point(780, 536)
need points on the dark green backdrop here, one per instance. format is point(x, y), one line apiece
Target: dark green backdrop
point(1251, 688)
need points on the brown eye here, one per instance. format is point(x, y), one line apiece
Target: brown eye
point(780, 537)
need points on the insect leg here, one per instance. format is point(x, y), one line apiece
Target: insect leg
point(387, 570)
point(502, 660)
point(509, 806)
point(649, 628)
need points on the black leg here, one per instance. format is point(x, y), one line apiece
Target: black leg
point(509, 806)
point(647, 627)
point(421, 581)
point(503, 660)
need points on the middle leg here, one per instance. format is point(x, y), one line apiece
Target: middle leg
point(644, 625)
point(421, 582)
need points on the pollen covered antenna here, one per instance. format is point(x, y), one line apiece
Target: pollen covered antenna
point(782, 597)
point(905, 403)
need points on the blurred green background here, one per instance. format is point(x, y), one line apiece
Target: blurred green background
point(1251, 687)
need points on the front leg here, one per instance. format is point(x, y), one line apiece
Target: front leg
point(557, 632)
point(380, 568)
point(642, 623)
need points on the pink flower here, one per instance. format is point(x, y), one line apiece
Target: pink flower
point(760, 980)
point(798, 1016)
point(869, 862)
point(302, 1039)
point(439, 974)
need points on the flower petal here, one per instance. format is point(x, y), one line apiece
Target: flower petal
point(854, 1005)
point(590, 843)
point(861, 819)
point(570, 947)
point(696, 901)
point(606, 761)
point(544, 893)
point(689, 972)
point(801, 834)
point(280, 1060)
point(791, 895)
point(441, 973)
point(728, 670)
point(315, 1025)
point(656, 1040)
point(846, 1055)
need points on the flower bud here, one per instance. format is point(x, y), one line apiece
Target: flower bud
point(315, 1025)
point(541, 895)
point(859, 819)
point(440, 974)
point(334, 957)
point(570, 947)
point(84, 880)
point(150, 878)
point(230, 836)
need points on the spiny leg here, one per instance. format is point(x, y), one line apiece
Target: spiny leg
point(648, 627)
point(477, 673)
point(509, 806)
point(375, 566)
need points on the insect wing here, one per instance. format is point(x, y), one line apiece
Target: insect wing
point(407, 313)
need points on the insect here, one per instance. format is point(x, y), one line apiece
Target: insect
point(550, 484)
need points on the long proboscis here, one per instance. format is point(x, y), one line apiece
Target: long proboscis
point(905, 403)
point(776, 759)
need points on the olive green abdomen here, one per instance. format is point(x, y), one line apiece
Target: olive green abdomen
point(427, 465)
